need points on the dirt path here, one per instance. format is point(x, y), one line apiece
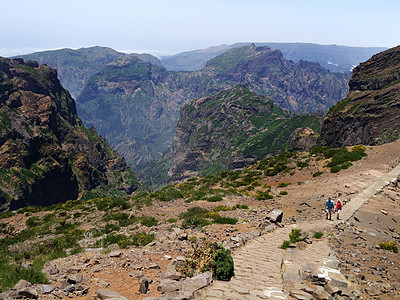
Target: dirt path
point(264, 271)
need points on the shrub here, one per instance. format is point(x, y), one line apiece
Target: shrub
point(282, 184)
point(171, 220)
point(391, 246)
point(283, 193)
point(285, 245)
point(318, 173)
point(225, 220)
point(207, 256)
point(148, 221)
point(318, 235)
point(215, 198)
point(302, 164)
point(263, 195)
point(193, 239)
point(108, 228)
point(194, 212)
point(295, 235)
point(335, 169)
point(194, 222)
point(358, 148)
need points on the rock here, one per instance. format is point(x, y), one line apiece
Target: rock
point(29, 292)
point(171, 272)
point(319, 293)
point(144, 286)
point(182, 295)
point(46, 289)
point(154, 266)
point(136, 274)
point(69, 288)
point(115, 254)
point(11, 294)
point(373, 290)
point(113, 247)
point(22, 284)
point(168, 285)
point(384, 212)
point(337, 279)
point(301, 295)
point(95, 269)
point(197, 282)
point(275, 216)
point(108, 294)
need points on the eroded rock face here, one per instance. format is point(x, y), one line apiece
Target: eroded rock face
point(370, 113)
point(46, 154)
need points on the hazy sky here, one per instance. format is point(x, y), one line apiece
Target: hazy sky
point(171, 26)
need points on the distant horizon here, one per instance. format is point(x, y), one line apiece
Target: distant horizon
point(160, 54)
point(175, 26)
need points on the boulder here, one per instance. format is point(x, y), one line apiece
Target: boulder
point(320, 294)
point(47, 289)
point(171, 272)
point(275, 216)
point(108, 294)
point(197, 282)
point(168, 285)
point(22, 284)
point(338, 279)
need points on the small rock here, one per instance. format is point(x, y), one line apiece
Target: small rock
point(275, 216)
point(107, 294)
point(197, 282)
point(154, 266)
point(95, 269)
point(115, 254)
point(144, 286)
point(22, 284)
point(47, 289)
point(69, 288)
point(384, 212)
point(136, 274)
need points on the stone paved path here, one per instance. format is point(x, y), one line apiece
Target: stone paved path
point(260, 264)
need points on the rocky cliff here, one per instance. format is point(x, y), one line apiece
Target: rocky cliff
point(135, 105)
point(229, 130)
point(370, 114)
point(46, 154)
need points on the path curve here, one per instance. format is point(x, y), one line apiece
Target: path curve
point(260, 264)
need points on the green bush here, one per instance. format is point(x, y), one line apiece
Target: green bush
point(148, 221)
point(108, 228)
point(282, 184)
point(215, 198)
point(194, 222)
point(318, 173)
point(285, 245)
point(318, 235)
point(263, 195)
point(295, 235)
point(391, 246)
point(172, 220)
point(283, 193)
point(225, 220)
point(194, 212)
point(223, 265)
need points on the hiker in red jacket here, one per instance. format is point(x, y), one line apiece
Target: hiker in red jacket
point(338, 208)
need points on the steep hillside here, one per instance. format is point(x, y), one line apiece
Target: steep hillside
point(74, 67)
point(334, 58)
point(370, 112)
point(135, 105)
point(46, 154)
point(231, 130)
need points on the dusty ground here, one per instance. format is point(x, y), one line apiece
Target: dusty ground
point(304, 202)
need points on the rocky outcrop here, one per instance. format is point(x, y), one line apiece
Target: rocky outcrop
point(230, 130)
point(46, 154)
point(370, 112)
point(135, 105)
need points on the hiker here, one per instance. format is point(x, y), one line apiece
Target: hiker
point(338, 208)
point(329, 207)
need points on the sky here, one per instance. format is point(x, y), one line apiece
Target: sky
point(164, 27)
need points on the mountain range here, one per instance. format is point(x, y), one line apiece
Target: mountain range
point(332, 57)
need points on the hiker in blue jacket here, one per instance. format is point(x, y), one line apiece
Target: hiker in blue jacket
point(329, 208)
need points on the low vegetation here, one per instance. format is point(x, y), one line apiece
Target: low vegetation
point(206, 256)
point(391, 246)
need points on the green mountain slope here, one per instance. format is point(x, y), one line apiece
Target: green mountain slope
point(229, 130)
point(46, 154)
point(74, 67)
